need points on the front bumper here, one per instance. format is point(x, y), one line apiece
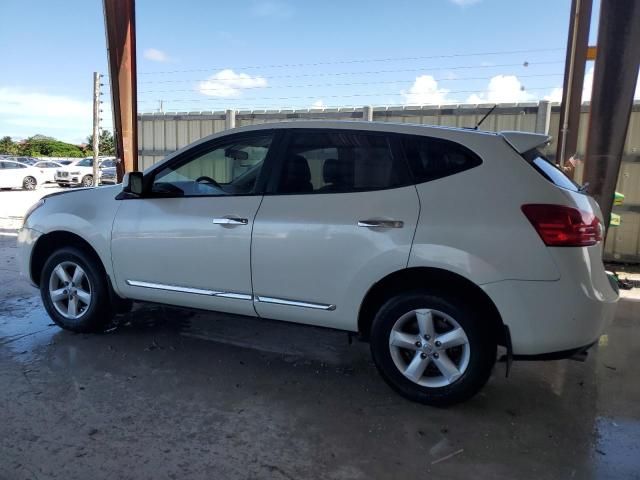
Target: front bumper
point(27, 239)
point(69, 180)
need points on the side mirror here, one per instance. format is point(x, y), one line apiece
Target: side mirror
point(132, 183)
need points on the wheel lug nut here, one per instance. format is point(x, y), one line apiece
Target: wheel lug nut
point(418, 344)
point(66, 292)
point(427, 337)
point(435, 355)
point(423, 356)
point(438, 344)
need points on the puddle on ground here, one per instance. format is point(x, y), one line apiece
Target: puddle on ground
point(617, 450)
point(25, 327)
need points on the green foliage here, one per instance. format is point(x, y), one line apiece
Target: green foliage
point(106, 145)
point(41, 146)
point(7, 146)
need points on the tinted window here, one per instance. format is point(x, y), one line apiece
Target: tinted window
point(12, 165)
point(334, 162)
point(230, 168)
point(87, 162)
point(550, 171)
point(432, 158)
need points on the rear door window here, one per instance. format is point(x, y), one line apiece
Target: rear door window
point(318, 161)
point(433, 158)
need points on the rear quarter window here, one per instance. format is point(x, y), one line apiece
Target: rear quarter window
point(549, 171)
point(433, 158)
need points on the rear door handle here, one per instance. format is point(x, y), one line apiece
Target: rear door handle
point(230, 221)
point(381, 223)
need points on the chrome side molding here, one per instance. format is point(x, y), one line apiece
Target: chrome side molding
point(232, 295)
point(295, 303)
point(195, 291)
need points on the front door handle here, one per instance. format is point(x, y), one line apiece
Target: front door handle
point(230, 221)
point(381, 223)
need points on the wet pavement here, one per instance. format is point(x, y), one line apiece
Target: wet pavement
point(172, 393)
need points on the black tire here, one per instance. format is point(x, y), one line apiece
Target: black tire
point(482, 346)
point(87, 181)
point(99, 313)
point(29, 183)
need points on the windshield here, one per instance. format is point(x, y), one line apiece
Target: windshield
point(87, 162)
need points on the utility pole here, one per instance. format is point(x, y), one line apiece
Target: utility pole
point(614, 82)
point(96, 127)
point(575, 64)
point(120, 27)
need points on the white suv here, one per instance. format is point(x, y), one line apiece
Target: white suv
point(78, 173)
point(435, 244)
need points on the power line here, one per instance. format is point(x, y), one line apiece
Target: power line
point(200, 100)
point(371, 72)
point(346, 84)
point(348, 62)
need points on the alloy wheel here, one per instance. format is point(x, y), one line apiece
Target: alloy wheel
point(70, 290)
point(429, 348)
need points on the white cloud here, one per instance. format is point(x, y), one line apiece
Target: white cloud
point(229, 84)
point(503, 89)
point(555, 95)
point(155, 55)
point(272, 8)
point(25, 113)
point(318, 104)
point(425, 91)
point(465, 3)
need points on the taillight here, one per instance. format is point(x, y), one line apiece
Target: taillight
point(561, 226)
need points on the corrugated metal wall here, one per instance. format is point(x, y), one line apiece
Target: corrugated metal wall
point(160, 134)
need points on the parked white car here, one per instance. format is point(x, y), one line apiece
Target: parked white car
point(78, 173)
point(48, 169)
point(435, 244)
point(19, 175)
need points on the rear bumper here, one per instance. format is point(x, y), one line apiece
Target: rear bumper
point(554, 318)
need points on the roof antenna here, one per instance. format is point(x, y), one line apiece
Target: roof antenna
point(485, 117)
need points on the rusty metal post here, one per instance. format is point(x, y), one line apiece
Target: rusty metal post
point(575, 64)
point(120, 28)
point(614, 83)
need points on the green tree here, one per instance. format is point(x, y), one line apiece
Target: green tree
point(106, 144)
point(7, 146)
point(41, 146)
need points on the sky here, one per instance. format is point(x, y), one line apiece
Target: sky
point(202, 55)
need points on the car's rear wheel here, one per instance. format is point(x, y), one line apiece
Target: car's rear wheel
point(29, 183)
point(87, 181)
point(74, 291)
point(432, 347)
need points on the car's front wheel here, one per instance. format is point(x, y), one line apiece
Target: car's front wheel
point(29, 183)
point(432, 348)
point(74, 291)
point(87, 181)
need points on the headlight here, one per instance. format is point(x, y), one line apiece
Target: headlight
point(32, 209)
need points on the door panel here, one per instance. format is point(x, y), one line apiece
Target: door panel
point(173, 252)
point(309, 248)
point(337, 218)
point(188, 241)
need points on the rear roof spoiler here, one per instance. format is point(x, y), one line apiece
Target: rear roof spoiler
point(524, 141)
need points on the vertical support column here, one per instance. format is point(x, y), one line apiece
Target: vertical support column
point(614, 83)
point(120, 27)
point(367, 113)
point(543, 117)
point(96, 127)
point(230, 119)
point(575, 64)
